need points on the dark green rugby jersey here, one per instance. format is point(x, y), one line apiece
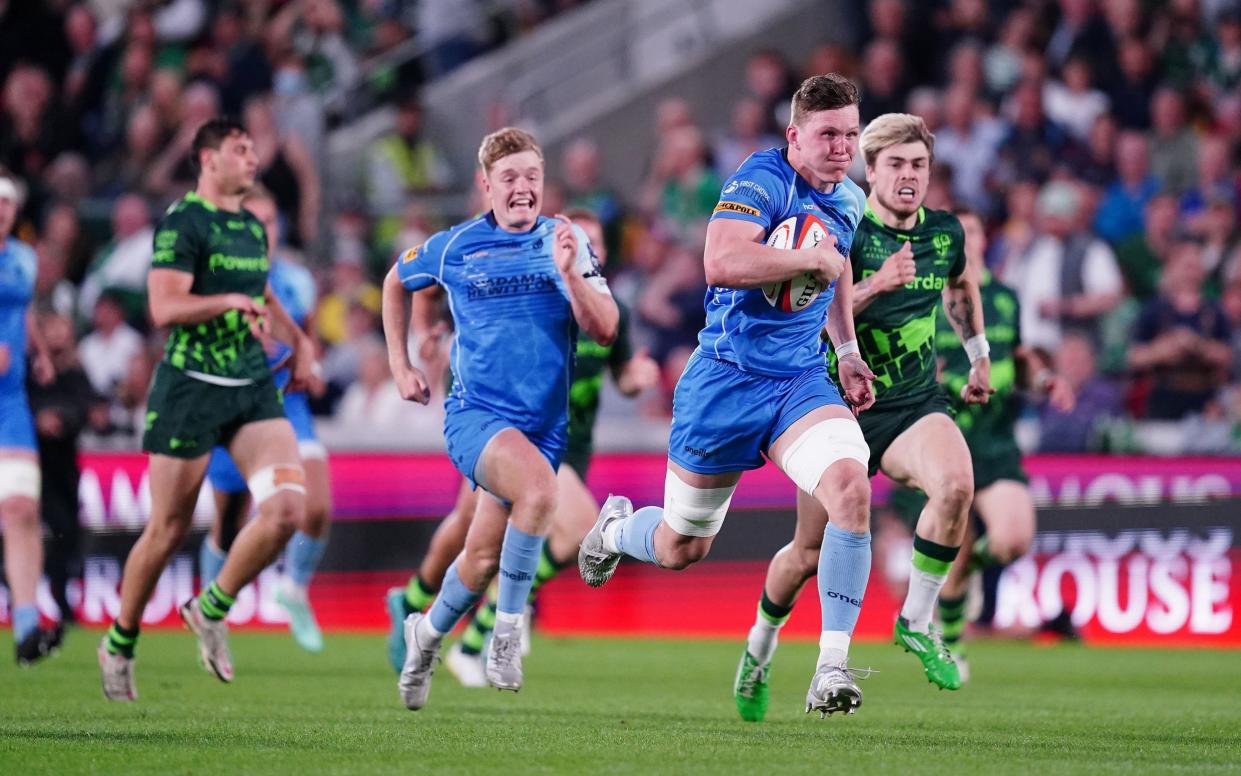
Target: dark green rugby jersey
point(589, 362)
point(988, 428)
point(896, 332)
point(227, 253)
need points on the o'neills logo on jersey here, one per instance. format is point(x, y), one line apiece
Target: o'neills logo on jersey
point(219, 261)
point(734, 207)
point(512, 285)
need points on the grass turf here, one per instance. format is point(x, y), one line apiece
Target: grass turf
point(612, 706)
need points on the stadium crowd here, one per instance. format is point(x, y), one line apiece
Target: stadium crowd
point(1098, 140)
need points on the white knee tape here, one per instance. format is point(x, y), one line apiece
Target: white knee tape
point(311, 449)
point(265, 482)
point(822, 445)
point(19, 477)
point(694, 511)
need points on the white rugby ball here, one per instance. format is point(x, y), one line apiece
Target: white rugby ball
point(795, 233)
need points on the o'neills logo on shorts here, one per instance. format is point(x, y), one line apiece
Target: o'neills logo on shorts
point(734, 207)
point(699, 452)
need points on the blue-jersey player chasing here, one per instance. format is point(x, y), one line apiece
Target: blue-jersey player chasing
point(757, 384)
point(519, 285)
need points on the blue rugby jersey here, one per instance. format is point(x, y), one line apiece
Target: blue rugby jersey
point(17, 273)
point(742, 327)
point(512, 352)
point(294, 286)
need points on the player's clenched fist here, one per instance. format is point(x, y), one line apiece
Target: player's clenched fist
point(411, 383)
point(898, 269)
point(828, 263)
point(565, 252)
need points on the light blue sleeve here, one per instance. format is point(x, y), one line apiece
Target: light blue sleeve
point(755, 193)
point(423, 265)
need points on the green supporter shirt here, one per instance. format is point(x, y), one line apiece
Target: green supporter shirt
point(226, 252)
point(589, 362)
point(896, 332)
point(989, 429)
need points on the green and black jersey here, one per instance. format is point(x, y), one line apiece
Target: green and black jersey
point(896, 332)
point(227, 253)
point(589, 364)
point(989, 428)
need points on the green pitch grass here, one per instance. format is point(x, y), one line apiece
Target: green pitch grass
point(620, 706)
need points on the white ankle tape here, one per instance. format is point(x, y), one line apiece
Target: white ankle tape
point(694, 511)
point(822, 445)
point(265, 482)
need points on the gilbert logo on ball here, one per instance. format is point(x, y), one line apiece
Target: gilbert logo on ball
point(794, 233)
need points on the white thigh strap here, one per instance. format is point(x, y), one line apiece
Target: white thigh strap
point(282, 476)
point(694, 511)
point(19, 477)
point(822, 445)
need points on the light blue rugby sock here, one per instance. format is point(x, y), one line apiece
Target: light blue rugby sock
point(519, 561)
point(844, 567)
point(210, 561)
point(454, 600)
point(635, 536)
point(25, 621)
point(303, 558)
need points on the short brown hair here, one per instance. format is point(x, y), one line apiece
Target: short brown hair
point(505, 142)
point(822, 92)
point(894, 129)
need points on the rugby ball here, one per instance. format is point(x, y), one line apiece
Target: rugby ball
point(803, 230)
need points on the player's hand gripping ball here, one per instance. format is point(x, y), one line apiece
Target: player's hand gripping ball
point(795, 233)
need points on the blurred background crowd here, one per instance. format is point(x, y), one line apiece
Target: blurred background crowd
point(1098, 140)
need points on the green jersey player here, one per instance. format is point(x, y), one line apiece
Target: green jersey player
point(905, 259)
point(208, 283)
point(1001, 494)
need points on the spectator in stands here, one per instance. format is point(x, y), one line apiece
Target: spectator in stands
point(1006, 253)
point(372, 402)
point(965, 66)
point(125, 416)
point(63, 229)
point(343, 360)
point(400, 165)
point(581, 172)
point(1230, 303)
point(748, 132)
point(81, 33)
point(1141, 256)
point(287, 171)
point(1002, 61)
point(1098, 401)
point(883, 79)
point(1033, 143)
point(172, 174)
point(1068, 278)
point(1073, 101)
point(246, 70)
point(129, 167)
point(1080, 28)
point(106, 351)
point(770, 81)
point(1174, 146)
point(31, 133)
point(670, 307)
point(968, 144)
point(1094, 163)
point(1131, 94)
point(1222, 68)
point(682, 188)
point(121, 267)
point(1216, 179)
point(316, 29)
point(61, 410)
point(1182, 340)
point(1217, 230)
point(1120, 213)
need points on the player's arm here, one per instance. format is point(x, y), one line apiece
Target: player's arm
point(1034, 373)
point(411, 383)
point(735, 257)
point(594, 309)
point(896, 270)
point(855, 375)
point(963, 306)
point(171, 302)
point(285, 329)
point(41, 366)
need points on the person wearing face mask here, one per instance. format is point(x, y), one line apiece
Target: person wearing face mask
point(520, 286)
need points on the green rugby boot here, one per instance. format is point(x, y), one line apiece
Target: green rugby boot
point(750, 688)
point(937, 661)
